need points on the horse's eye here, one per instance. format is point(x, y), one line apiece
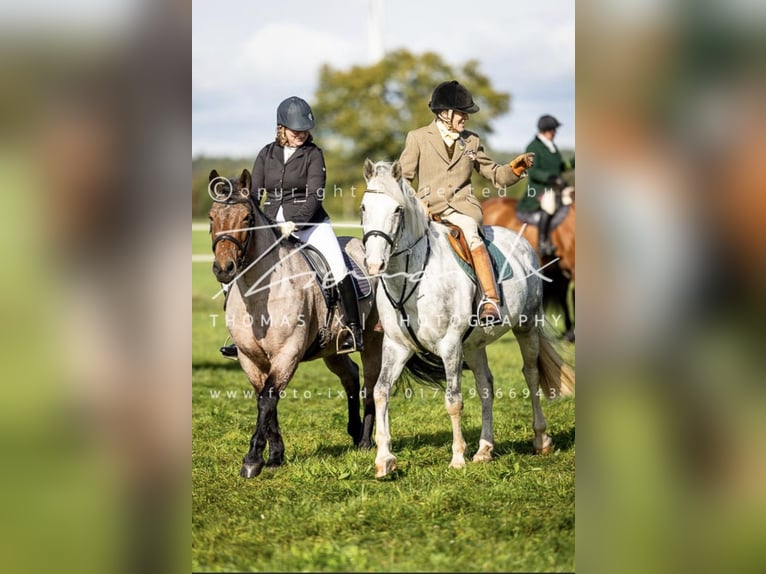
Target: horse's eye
point(399, 210)
point(362, 209)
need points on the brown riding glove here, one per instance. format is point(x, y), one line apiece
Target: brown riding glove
point(521, 163)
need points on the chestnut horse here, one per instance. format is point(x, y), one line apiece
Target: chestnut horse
point(501, 211)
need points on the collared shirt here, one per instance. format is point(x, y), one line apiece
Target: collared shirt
point(449, 136)
point(547, 143)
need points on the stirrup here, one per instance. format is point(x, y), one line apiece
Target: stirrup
point(488, 321)
point(339, 350)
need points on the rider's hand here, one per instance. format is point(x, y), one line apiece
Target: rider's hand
point(286, 228)
point(521, 163)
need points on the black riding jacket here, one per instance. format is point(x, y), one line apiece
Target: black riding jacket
point(298, 185)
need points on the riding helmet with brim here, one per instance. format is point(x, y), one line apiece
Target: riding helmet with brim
point(295, 114)
point(546, 123)
point(452, 96)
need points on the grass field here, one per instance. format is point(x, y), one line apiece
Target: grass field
point(324, 510)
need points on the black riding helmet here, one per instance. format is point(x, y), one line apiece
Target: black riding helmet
point(295, 114)
point(452, 96)
point(546, 123)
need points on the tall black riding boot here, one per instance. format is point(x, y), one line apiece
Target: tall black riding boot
point(544, 246)
point(350, 338)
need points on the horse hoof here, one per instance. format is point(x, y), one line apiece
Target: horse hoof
point(482, 456)
point(570, 336)
point(364, 445)
point(250, 470)
point(546, 449)
point(457, 462)
point(385, 467)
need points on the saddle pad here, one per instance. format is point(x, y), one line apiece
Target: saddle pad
point(533, 217)
point(499, 262)
point(361, 279)
point(319, 266)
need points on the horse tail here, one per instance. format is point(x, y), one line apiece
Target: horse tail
point(427, 369)
point(557, 378)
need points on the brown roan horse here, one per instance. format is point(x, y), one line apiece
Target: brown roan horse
point(501, 211)
point(277, 316)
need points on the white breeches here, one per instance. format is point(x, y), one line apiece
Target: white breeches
point(467, 224)
point(322, 237)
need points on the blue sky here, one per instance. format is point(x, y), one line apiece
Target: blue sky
point(247, 56)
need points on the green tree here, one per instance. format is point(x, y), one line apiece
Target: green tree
point(366, 111)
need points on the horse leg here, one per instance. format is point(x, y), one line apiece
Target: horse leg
point(529, 343)
point(570, 334)
point(393, 360)
point(267, 424)
point(253, 462)
point(348, 373)
point(453, 402)
point(371, 357)
point(555, 296)
point(282, 370)
point(477, 361)
point(276, 445)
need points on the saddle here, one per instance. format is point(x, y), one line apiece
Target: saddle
point(318, 264)
point(462, 253)
point(321, 269)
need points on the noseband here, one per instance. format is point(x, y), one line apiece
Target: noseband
point(241, 246)
point(392, 241)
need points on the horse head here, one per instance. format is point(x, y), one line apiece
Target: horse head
point(231, 222)
point(391, 214)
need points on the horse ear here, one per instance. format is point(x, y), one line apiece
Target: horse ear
point(213, 175)
point(245, 180)
point(396, 170)
point(369, 169)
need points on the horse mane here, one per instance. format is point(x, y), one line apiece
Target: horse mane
point(404, 194)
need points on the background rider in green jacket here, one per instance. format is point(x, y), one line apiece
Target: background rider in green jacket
point(544, 174)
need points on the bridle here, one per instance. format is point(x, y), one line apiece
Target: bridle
point(241, 246)
point(393, 241)
point(405, 295)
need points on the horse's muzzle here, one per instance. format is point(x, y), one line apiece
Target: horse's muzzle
point(374, 267)
point(225, 273)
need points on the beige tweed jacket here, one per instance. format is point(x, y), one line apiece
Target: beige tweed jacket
point(446, 182)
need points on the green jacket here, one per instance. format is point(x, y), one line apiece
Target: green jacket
point(547, 164)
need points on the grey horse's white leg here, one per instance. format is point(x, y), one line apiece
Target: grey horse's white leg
point(529, 343)
point(394, 359)
point(477, 361)
point(453, 401)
